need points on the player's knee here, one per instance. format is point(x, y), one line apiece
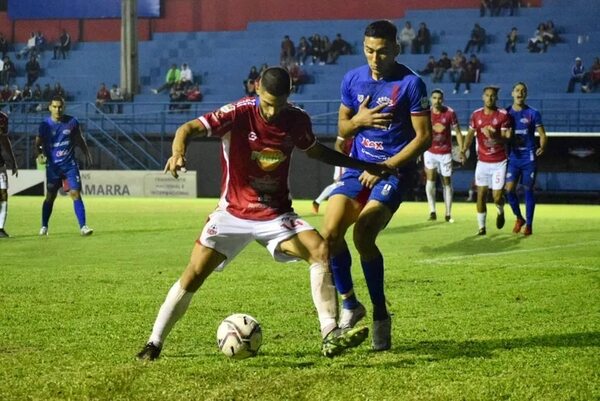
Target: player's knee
point(319, 251)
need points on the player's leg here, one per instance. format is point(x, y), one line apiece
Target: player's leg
point(341, 213)
point(482, 182)
point(53, 183)
point(431, 176)
point(3, 201)
point(73, 178)
point(513, 175)
point(446, 173)
point(498, 181)
point(322, 196)
point(529, 179)
point(203, 262)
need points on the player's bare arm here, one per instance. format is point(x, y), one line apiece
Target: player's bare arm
point(543, 140)
point(468, 140)
point(350, 122)
point(184, 133)
point(81, 142)
point(322, 153)
point(420, 143)
point(4, 139)
point(460, 141)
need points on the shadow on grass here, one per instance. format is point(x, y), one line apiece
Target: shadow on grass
point(447, 349)
point(475, 244)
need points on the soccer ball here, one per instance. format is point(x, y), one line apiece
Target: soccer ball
point(239, 336)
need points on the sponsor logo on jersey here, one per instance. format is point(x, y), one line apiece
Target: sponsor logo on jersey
point(385, 191)
point(264, 185)
point(385, 101)
point(424, 102)
point(290, 223)
point(524, 120)
point(268, 159)
point(360, 98)
point(212, 230)
point(227, 108)
point(66, 132)
point(367, 143)
point(252, 136)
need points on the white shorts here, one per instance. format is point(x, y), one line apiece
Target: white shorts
point(228, 234)
point(491, 175)
point(3, 178)
point(441, 163)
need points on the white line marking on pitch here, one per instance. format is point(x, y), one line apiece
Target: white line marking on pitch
point(546, 248)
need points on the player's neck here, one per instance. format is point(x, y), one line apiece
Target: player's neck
point(518, 107)
point(489, 110)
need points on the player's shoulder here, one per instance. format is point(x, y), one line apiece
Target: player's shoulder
point(358, 73)
point(477, 111)
point(448, 110)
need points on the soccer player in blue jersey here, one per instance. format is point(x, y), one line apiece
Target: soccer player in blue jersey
point(57, 137)
point(385, 109)
point(522, 156)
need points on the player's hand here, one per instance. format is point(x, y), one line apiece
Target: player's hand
point(368, 180)
point(174, 164)
point(374, 118)
point(539, 152)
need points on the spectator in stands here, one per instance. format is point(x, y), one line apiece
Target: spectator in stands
point(324, 56)
point(429, 67)
point(422, 43)
point(26, 97)
point(407, 36)
point(250, 87)
point(592, 77)
point(5, 94)
point(442, 65)
point(474, 68)
point(194, 94)
point(464, 78)
point(510, 5)
point(29, 47)
point(540, 40)
point(58, 91)
point(186, 76)
point(103, 99)
point(577, 75)
point(40, 43)
point(33, 70)
point(9, 71)
point(303, 50)
point(477, 39)
point(288, 51)
point(489, 6)
point(36, 99)
point(116, 99)
point(63, 45)
point(315, 48)
point(297, 75)
point(550, 32)
point(171, 78)
point(339, 47)
point(4, 45)
point(511, 41)
point(253, 73)
point(176, 95)
point(47, 93)
point(15, 97)
point(263, 68)
point(458, 65)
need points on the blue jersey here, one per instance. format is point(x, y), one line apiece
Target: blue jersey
point(403, 92)
point(525, 122)
point(57, 138)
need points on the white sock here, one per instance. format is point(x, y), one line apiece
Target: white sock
point(325, 193)
point(448, 199)
point(3, 213)
point(500, 209)
point(324, 296)
point(430, 192)
point(172, 309)
point(481, 219)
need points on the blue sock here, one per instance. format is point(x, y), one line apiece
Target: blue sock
point(46, 212)
point(529, 206)
point(373, 271)
point(513, 201)
point(79, 211)
point(342, 277)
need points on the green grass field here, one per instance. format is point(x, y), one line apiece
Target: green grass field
point(496, 318)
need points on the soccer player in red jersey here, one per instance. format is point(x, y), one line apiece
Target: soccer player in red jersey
point(7, 147)
point(438, 158)
point(492, 127)
point(258, 136)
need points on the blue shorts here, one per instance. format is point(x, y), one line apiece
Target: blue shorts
point(387, 191)
point(56, 173)
point(524, 171)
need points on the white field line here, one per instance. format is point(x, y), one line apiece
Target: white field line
point(516, 251)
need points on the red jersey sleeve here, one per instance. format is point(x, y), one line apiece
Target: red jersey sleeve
point(219, 122)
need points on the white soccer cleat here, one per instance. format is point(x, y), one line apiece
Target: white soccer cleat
point(382, 334)
point(44, 230)
point(350, 317)
point(85, 231)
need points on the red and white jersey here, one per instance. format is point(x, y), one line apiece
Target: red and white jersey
point(492, 149)
point(442, 124)
point(255, 158)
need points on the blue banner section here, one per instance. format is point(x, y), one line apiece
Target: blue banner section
point(77, 9)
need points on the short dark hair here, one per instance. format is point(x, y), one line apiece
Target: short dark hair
point(57, 98)
point(276, 81)
point(383, 29)
point(521, 83)
point(438, 90)
point(492, 87)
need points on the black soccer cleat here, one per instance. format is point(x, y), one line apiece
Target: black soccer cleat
point(500, 221)
point(432, 216)
point(481, 231)
point(3, 234)
point(150, 352)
